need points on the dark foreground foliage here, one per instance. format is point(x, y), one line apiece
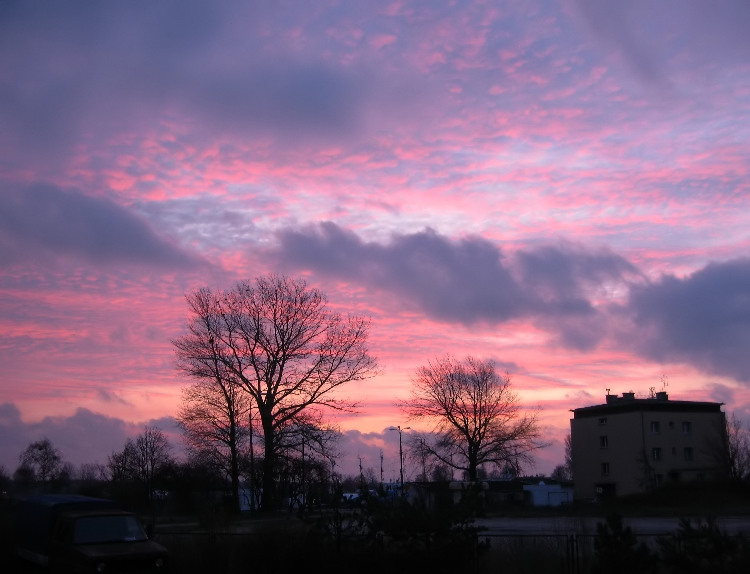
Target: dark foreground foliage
point(393, 536)
point(617, 550)
point(704, 547)
point(378, 536)
point(696, 547)
point(419, 542)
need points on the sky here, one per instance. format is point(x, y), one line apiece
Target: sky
point(560, 186)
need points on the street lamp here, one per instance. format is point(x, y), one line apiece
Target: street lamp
point(400, 453)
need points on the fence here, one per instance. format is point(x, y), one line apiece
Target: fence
point(535, 553)
point(230, 553)
point(295, 551)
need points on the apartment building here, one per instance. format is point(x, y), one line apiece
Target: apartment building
point(630, 445)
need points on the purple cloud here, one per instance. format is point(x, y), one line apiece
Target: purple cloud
point(702, 319)
point(44, 221)
point(466, 281)
point(83, 437)
point(661, 40)
point(89, 70)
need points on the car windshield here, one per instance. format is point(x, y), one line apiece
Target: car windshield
point(118, 528)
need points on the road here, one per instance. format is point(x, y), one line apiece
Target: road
point(587, 525)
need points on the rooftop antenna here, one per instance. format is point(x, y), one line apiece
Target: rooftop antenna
point(664, 381)
point(608, 390)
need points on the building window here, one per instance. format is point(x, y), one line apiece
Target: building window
point(687, 427)
point(603, 442)
point(671, 425)
point(656, 454)
point(674, 450)
point(605, 469)
point(603, 420)
point(688, 453)
point(655, 427)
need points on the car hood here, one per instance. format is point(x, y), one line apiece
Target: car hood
point(109, 550)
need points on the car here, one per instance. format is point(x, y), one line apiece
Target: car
point(79, 534)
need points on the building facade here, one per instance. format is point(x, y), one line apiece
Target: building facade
point(630, 445)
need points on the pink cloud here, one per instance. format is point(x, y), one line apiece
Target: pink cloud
point(382, 40)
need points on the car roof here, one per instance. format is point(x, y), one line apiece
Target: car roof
point(79, 512)
point(64, 499)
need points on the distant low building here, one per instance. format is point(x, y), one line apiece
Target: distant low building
point(548, 493)
point(630, 445)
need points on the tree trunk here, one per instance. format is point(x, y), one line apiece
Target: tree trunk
point(472, 464)
point(235, 467)
point(269, 503)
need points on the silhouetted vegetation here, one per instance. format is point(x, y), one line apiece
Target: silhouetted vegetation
point(379, 534)
point(617, 550)
point(733, 451)
point(274, 340)
point(383, 532)
point(704, 547)
point(476, 416)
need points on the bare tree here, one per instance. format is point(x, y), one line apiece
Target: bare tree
point(735, 449)
point(566, 469)
point(420, 455)
point(91, 472)
point(122, 465)
point(475, 415)
point(306, 451)
point(560, 473)
point(569, 453)
point(211, 418)
point(4, 479)
point(152, 452)
point(42, 460)
point(276, 339)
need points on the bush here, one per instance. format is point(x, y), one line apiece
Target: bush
point(704, 547)
point(616, 550)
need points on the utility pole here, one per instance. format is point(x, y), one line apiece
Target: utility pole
point(361, 476)
point(400, 453)
point(423, 454)
point(381, 467)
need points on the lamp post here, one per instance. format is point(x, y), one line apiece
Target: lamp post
point(400, 453)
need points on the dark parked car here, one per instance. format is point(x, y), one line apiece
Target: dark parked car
point(78, 534)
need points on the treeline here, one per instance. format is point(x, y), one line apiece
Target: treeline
point(144, 475)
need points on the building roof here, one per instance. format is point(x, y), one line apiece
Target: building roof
point(658, 403)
